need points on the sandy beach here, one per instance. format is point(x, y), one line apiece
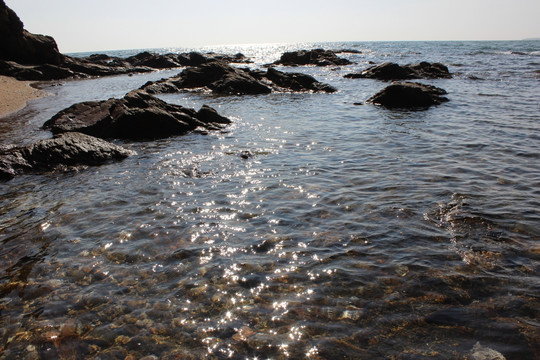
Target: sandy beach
point(14, 94)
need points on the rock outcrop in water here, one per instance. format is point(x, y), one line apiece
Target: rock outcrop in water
point(393, 71)
point(162, 61)
point(17, 44)
point(408, 95)
point(136, 116)
point(104, 65)
point(27, 56)
point(63, 151)
point(222, 78)
point(318, 57)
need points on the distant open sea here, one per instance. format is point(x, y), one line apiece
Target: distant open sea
point(353, 232)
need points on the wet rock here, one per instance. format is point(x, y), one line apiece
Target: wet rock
point(61, 152)
point(154, 60)
point(100, 66)
point(209, 115)
point(196, 58)
point(222, 78)
point(162, 61)
point(41, 72)
point(480, 352)
point(318, 57)
point(393, 71)
point(244, 333)
point(246, 154)
point(408, 95)
point(297, 81)
point(250, 281)
point(136, 116)
point(17, 44)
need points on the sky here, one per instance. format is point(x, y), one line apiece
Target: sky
point(80, 26)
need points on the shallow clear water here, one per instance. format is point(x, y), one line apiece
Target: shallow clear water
point(352, 232)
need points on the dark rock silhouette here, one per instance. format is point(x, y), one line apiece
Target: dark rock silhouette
point(137, 116)
point(104, 65)
point(393, 71)
point(347, 51)
point(222, 78)
point(408, 95)
point(62, 152)
point(296, 81)
point(17, 44)
point(318, 57)
point(27, 56)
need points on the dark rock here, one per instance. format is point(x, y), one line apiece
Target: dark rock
point(196, 58)
point(209, 115)
point(246, 154)
point(297, 81)
point(98, 66)
point(347, 51)
point(17, 44)
point(393, 71)
point(162, 61)
point(34, 72)
point(224, 79)
point(318, 57)
point(220, 78)
point(408, 95)
point(192, 59)
point(155, 61)
point(239, 83)
point(60, 152)
point(137, 116)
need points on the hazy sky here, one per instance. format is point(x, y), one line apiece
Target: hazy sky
point(132, 24)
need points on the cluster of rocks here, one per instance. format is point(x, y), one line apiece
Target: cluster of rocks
point(136, 116)
point(80, 129)
point(104, 65)
point(407, 95)
point(317, 57)
point(28, 56)
point(393, 71)
point(221, 78)
point(19, 45)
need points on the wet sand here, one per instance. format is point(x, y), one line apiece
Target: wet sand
point(14, 94)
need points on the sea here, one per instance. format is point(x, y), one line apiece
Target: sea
point(315, 226)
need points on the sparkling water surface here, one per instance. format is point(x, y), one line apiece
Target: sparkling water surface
point(352, 231)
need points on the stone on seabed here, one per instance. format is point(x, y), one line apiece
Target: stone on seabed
point(480, 352)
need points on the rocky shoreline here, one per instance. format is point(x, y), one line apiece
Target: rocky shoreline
point(141, 116)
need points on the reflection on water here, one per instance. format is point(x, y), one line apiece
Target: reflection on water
point(310, 228)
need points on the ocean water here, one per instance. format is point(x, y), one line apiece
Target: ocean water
point(352, 232)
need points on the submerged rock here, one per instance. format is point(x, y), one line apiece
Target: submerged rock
point(136, 116)
point(480, 352)
point(222, 78)
point(408, 95)
point(318, 57)
point(61, 152)
point(393, 71)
